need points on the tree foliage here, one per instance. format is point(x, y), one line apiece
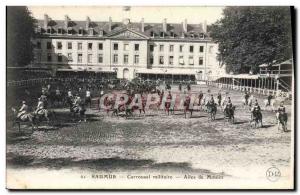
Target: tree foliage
point(250, 36)
point(19, 31)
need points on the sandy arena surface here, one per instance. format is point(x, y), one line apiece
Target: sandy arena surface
point(153, 144)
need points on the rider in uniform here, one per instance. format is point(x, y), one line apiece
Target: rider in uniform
point(256, 107)
point(70, 93)
point(23, 110)
point(77, 100)
point(229, 103)
point(269, 99)
point(180, 86)
point(88, 97)
point(40, 106)
point(219, 97)
point(281, 108)
point(212, 101)
point(44, 99)
point(246, 96)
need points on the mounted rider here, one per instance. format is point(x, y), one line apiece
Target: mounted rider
point(229, 103)
point(255, 110)
point(219, 97)
point(269, 98)
point(70, 95)
point(77, 100)
point(44, 99)
point(180, 86)
point(281, 110)
point(211, 102)
point(40, 106)
point(246, 96)
point(23, 110)
point(256, 107)
point(88, 98)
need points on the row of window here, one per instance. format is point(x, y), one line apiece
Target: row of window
point(181, 61)
point(90, 31)
point(70, 31)
point(125, 59)
point(181, 48)
point(59, 46)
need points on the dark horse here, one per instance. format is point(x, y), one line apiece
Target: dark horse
point(186, 107)
point(256, 117)
point(282, 120)
point(229, 113)
point(79, 109)
point(212, 110)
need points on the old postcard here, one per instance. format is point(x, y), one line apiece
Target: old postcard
point(128, 97)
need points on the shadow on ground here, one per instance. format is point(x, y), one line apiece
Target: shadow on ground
point(104, 164)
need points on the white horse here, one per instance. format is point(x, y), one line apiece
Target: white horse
point(249, 103)
point(272, 104)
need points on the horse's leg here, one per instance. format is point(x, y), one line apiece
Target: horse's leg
point(285, 126)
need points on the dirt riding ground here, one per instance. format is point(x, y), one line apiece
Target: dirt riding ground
point(153, 144)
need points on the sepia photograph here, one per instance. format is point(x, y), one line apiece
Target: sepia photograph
point(150, 97)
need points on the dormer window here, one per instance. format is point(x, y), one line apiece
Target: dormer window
point(70, 31)
point(101, 33)
point(80, 31)
point(152, 34)
point(49, 30)
point(172, 34)
point(201, 35)
point(192, 36)
point(60, 30)
point(162, 34)
point(91, 31)
point(38, 29)
point(182, 35)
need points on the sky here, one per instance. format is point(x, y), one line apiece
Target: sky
point(193, 14)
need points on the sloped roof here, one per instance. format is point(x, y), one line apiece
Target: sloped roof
point(156, 28)
point(288, 62)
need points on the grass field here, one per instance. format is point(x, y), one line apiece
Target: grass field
point(156, 143)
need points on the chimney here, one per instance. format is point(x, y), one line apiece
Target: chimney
point(142, 25)
point(87, 23)
point(46, 21)
point(165, 25)
point(184, 25)
point(66, 23)
point(205, 27)
point(109, 24)
point(201, 26)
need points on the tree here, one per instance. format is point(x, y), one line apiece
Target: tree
point(19, 31)
point(250, 36)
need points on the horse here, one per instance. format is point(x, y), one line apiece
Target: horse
point(186, 107)
point(202, 104)
point(25, 118)
point(256, 117)
point(44, 114)
point(78, 109)
point(123, 108)
point(282, 120)
point(229, 113)
point(212, 110)
point(272, 104)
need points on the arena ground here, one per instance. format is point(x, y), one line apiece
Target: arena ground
point(155, 143)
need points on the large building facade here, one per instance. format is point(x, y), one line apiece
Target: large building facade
point(128, 50)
